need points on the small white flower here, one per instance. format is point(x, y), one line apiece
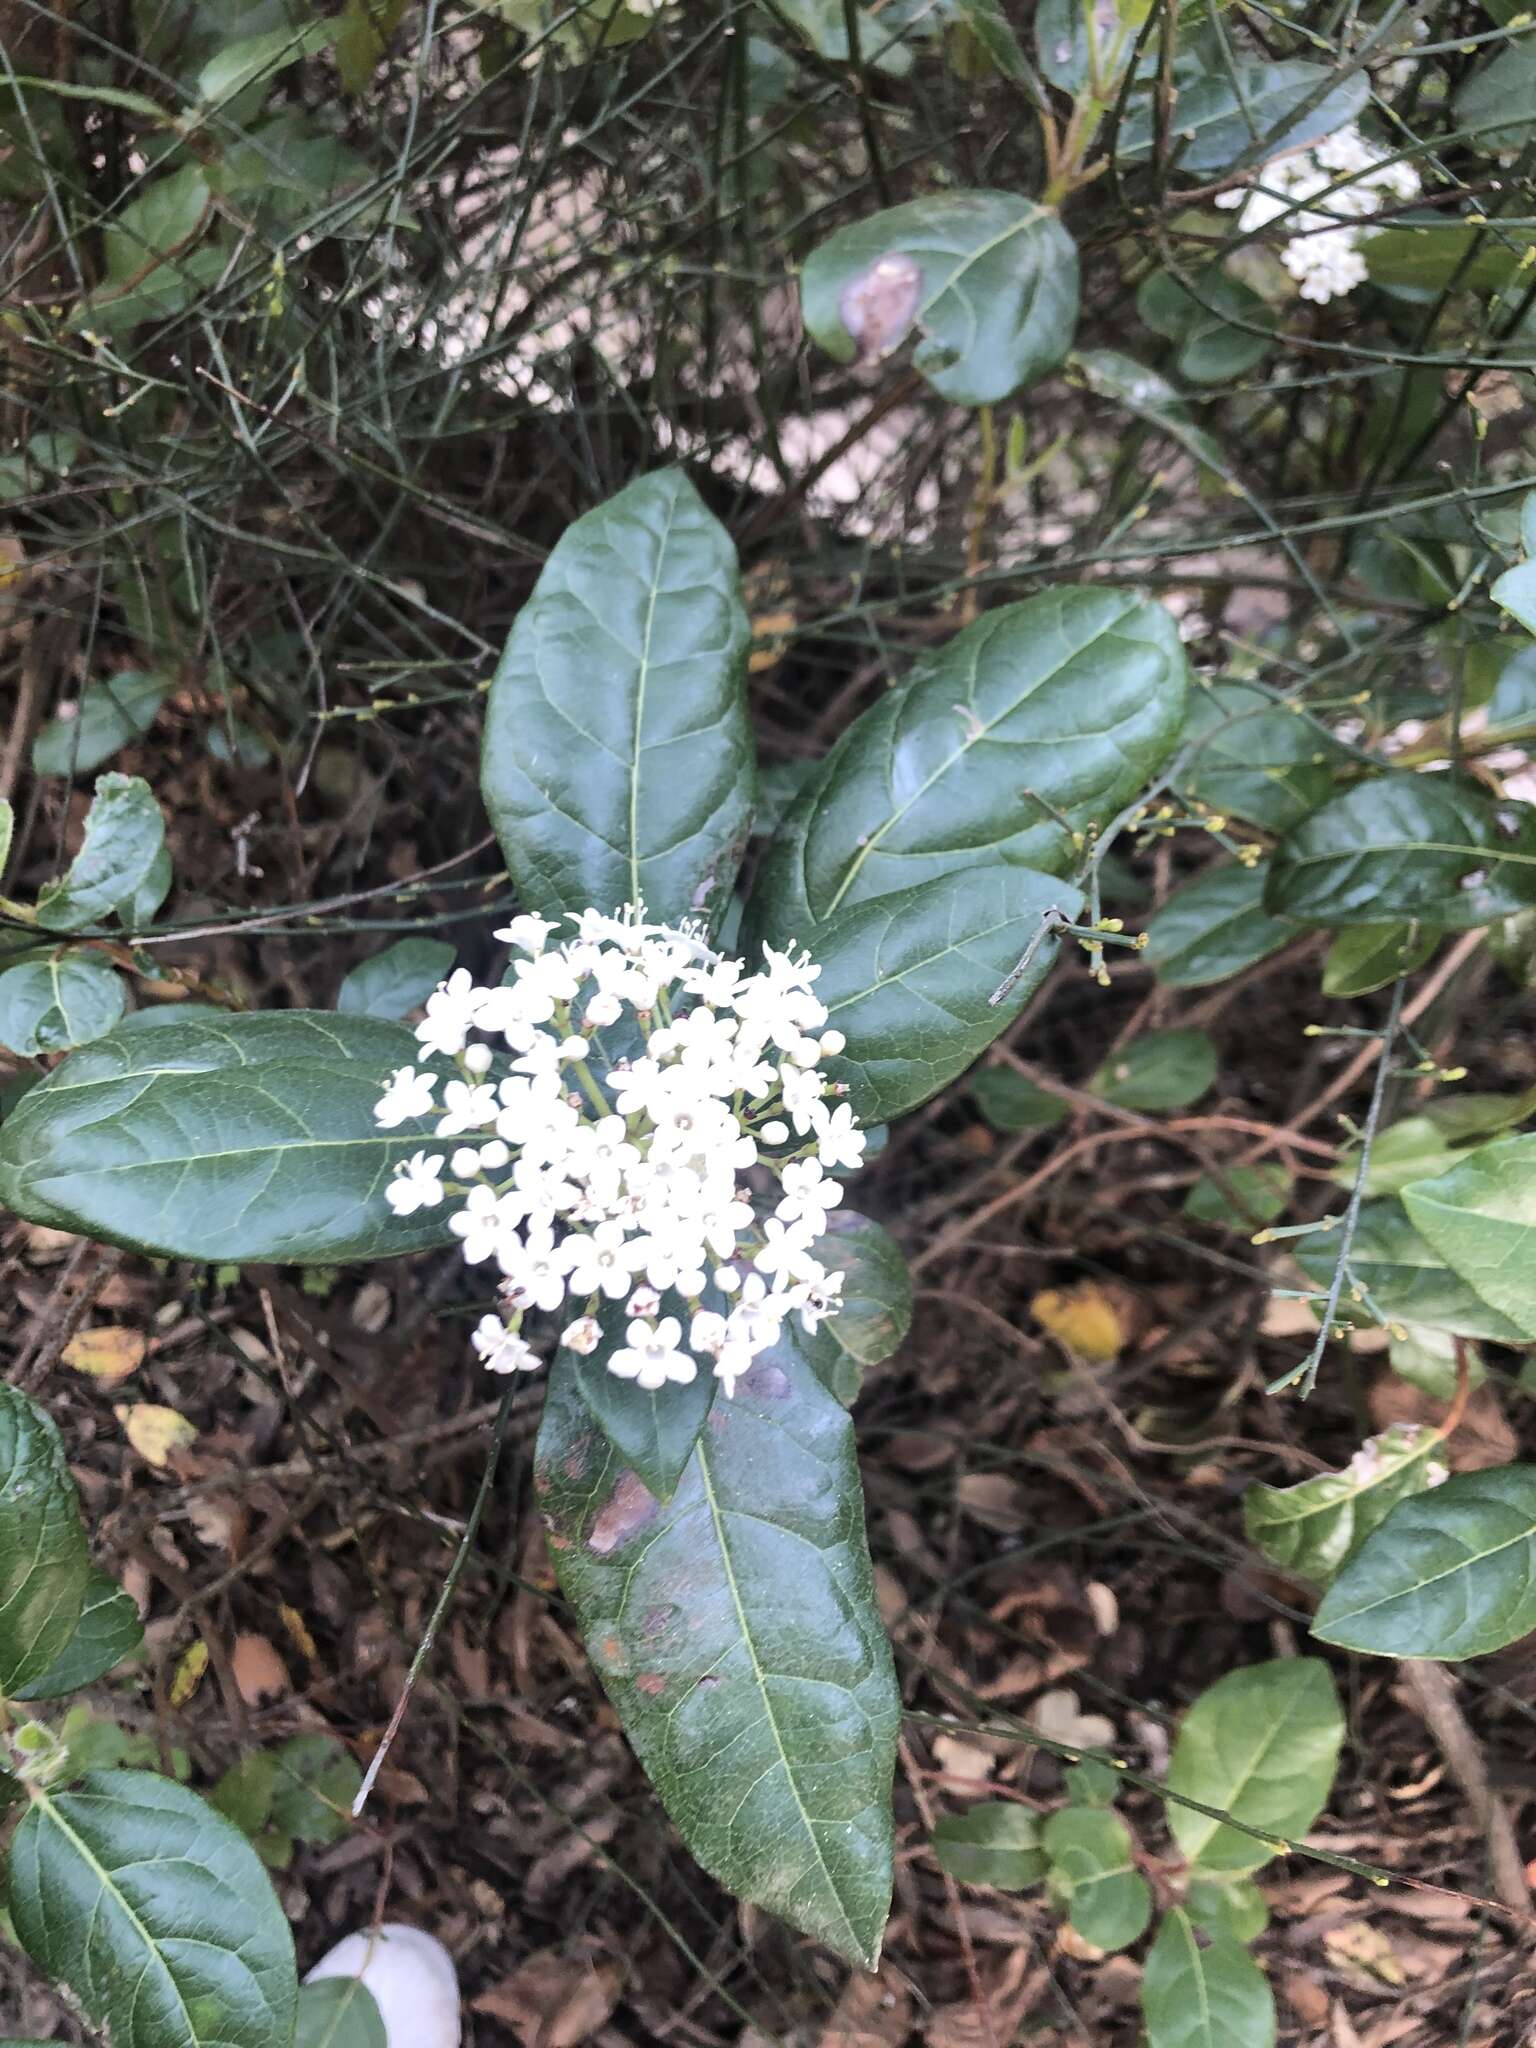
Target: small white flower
point(651, 1356)
point(408, 1095)
point(466, 1108)
point(478, 1059)
point(480, 1224)
point(786, 1248)
point(774, 1132)
point(583, 1336)
point(645, 1301)
point(706, 1333)
point(839, 1141)
point(527, 931)
point(417, 1184)
point(600, 1262)
point(501, 1349)
point(450, 1013)
point(464, 1163)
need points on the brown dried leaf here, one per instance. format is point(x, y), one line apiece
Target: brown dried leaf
point(260, 1672)
point(555, 2000)
point(994, 1500)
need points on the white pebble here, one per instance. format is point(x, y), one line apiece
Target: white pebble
point(412, 1978)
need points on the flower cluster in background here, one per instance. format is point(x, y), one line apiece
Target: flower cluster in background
point(620, 1179)
point(1325, 195)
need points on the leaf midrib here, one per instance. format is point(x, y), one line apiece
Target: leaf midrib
point(639, 725)
point(1465, 1564)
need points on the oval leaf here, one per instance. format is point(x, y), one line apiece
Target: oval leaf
point(1449, 1574)
point(617, 763)
point(1263, 1745)
point(1407, 846)
point(1162, 1070)
point(223, 1138)
point(1060, 707)
point(44, 1566)
point(1481, 1219)
point(124, 846)
point(988, 279)
point(61, 1001)
point(1207, 1993)
point(877, 1288)
point(1214, 926)
point(1246, 110)
point(766, 1723)
point(1370, 956)
point(109, 715)
point(1405, 1276)
point(396, 980)
point(995, 1843)
point(1256, 759)
point(1093, 1871)
point(1314, 1527)
point(907, 980)
point(339, 2012)
point(155, 1912)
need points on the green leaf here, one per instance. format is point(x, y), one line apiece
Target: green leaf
point(652, 1432)
point(155, 1913)
point(907, 979)
point(109, 715)
point(1313, 1528)
point(1427, 1360)
point(824, 25)
point(244, 1794)
point(63, 1000)
point(1497, 99)
point(1245, 1198)
point(1211, 319)
point(1235, 1908)
point(1092, 1783)
point(1262, 1744)
point(108, 1631)
point(1369, 956)
point(314, 1782)
point(396, 980)
point(995, 1843)
point(1094, 1874)
point(1432, 255)
point(1222, 117)
point(1209, 1994)
point(877, 1288)
point(1162, 1070)
point(241, 63)
point(1255, 759)
point(736, 1632)
point(1405, 1276)
point(1214, 926)
point(1515, 593)
point(154, 227)
point(123, 846)
point(1010, 1102)
point(1449, 1574)
point(339, 2012)
point(1060, 707)
point(1481, 1219)
point(44, 1567)
point(1407, 846)
point(1411, 1150)
point(236, 1138)
point(617, 763)
point(988, 279)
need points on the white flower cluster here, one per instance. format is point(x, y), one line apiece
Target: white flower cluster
point(625, 1184)
point(1327, 219)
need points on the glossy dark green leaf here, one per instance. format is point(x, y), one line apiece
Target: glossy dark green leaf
point(907, 979)
point(736, 1631)
point(1255, 759)
point(1094, 1875)
point(1010, 1102)
point(235, 1138)
point(1448, 1574)
point(1061, 706)
point(44, 1566)
point(1497, 99)
point(988, 279)
point(652, 1432)
point(124, 842)
point(1370, 956)
point(1221, 327)
point(244, 61)
point(1407, 846)
point(109, 715)
point(1312, 1528)
point(1405, 1276)
point(339, 2012)
point(1214, 926)
point(1163, 1070)
point(108, 1631)
point(1204, 1993)
point(62, 1000)
point(1222, 116)
point(1262, 1744)
point(994, 1843)
point(1480, 1217)
point(396, 980)
point(155, 1913)
point(877, 1287)
point(617, 763)
point(1244, 1198)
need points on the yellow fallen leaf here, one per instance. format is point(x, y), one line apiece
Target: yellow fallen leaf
point(189, 1673)
point(107, 1354)
point(296, 1626)
point(155, 1433)
point(1082, 1318)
